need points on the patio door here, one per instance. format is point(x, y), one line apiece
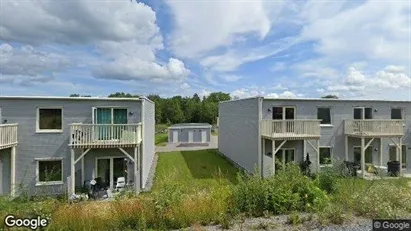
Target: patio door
point(110, 169)
point(107, 115)
point(284, 113)
point(283, 157)
point(367, 155)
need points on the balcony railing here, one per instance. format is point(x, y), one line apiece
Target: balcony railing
point(8, 135)
point(104, 135)
point(374, 127)
point(291, 129)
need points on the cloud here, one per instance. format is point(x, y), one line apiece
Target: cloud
point(198, 31)
point(255, 91)
point(125, 68)
point(230, 78)
point(30, 64)
point(124, 36)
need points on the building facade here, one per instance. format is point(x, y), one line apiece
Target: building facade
point(46, 142)
point(252, 131)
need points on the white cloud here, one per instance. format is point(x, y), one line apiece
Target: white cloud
point(124, 34)
point(255, 91)
point(202, 26)
point(230, 77)
point(185, 86)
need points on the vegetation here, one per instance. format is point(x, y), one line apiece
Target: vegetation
point(330, 97)
point(200, 187)
point(161, 139)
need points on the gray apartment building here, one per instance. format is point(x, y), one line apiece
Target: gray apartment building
point(45, 142)
point(262, 133)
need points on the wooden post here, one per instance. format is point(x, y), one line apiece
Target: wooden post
point(73, 171)
point(262, 156)
point(346, 148)
point(136, 161)
point(381, 151)
point(82, 171)
point(273, 153)
point(13, 171)
point(362, 158)
point(400, 155)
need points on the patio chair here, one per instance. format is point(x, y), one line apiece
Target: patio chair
point(121, 183)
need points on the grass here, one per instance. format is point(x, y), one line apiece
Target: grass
point(194, 170)
point(214, 133)
point(161, 139)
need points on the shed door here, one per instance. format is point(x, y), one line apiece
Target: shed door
point(175, 136)
point(203, 136)
point(190, 136)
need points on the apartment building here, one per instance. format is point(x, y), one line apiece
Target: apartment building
point(254, 132)
point(55, 144)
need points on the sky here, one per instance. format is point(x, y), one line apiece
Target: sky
point(279, 49)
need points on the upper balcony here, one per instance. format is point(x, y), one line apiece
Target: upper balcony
point(290, 129)
point(374, 128)
point(8, 135)
point(105, 135)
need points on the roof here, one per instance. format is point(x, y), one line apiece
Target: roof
point(322, 99)
point(72, 98)
point(190, 125)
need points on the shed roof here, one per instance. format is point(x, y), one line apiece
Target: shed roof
point(190, 125)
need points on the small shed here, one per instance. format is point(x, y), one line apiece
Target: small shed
point(189, 133)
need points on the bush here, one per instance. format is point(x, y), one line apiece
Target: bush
point(289, 190)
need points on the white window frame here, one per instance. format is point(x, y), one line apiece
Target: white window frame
point(284, 109)
point(359, 146)
point(331, 116)
point(40, 183)
point(94, 110)
point(282, 150)
point(38, 130)
point(331, 156)
point(363, 112)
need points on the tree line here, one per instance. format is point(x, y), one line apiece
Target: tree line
point(180, 109)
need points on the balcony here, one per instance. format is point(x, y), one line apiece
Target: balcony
point(290, 129)
point(374, 128)
point(105, 135)
point(8, 135)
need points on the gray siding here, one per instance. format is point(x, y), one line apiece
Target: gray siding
point(183, 134)
point(41, 145)
point(239, 132)
point(148, 146)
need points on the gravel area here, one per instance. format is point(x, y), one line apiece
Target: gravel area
point(281, 223)
point(151, 174)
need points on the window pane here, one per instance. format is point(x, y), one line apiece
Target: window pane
point(324, 114)
point(404, 155)
point(120, 116)
point(289, 155)
point(368, 113)
point(50, 119)
point(393, 153)
point(325, 155)
point(367, 155)
point(277, 113)
point(396, 113)
point(358, 113)
point(289, 113)
point(50, 171)
point(357, 155)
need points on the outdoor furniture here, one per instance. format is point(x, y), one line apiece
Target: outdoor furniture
point(394, 168)
point(121, 183)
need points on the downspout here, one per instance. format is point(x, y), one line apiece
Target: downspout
point(260, 117)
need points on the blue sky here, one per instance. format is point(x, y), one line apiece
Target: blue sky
point(354, 49)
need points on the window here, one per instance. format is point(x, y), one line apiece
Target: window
point(325, 155)
point(324, 114)
point(49, 171)
point(396, 113)
point(393, 154)
point(49, 119)
point(367, 154)
point(283, 113)
point(361, 113)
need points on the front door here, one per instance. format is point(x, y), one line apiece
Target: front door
point(109, 169)
point(203, 136)
point(175, 136)
point(190, 136)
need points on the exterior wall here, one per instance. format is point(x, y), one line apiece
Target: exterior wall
point(42, 145)
point(334, 135)
point(183, 134)
point(148, 146)
point(239, 138)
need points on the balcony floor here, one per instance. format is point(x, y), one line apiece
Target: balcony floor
point(7, 146)
point(104, 144)
point(372, 134)
point(290, 136)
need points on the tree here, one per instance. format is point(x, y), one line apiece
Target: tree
point(78, 95)
point(122, 95)
point(330, 97)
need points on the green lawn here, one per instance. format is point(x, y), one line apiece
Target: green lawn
point(161, 139)
point(194, 170)
point(214, 133)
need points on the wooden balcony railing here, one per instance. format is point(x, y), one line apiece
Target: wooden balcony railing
point(374, 127)
point(291, 129)
point(104, 135)
point(8, 135)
